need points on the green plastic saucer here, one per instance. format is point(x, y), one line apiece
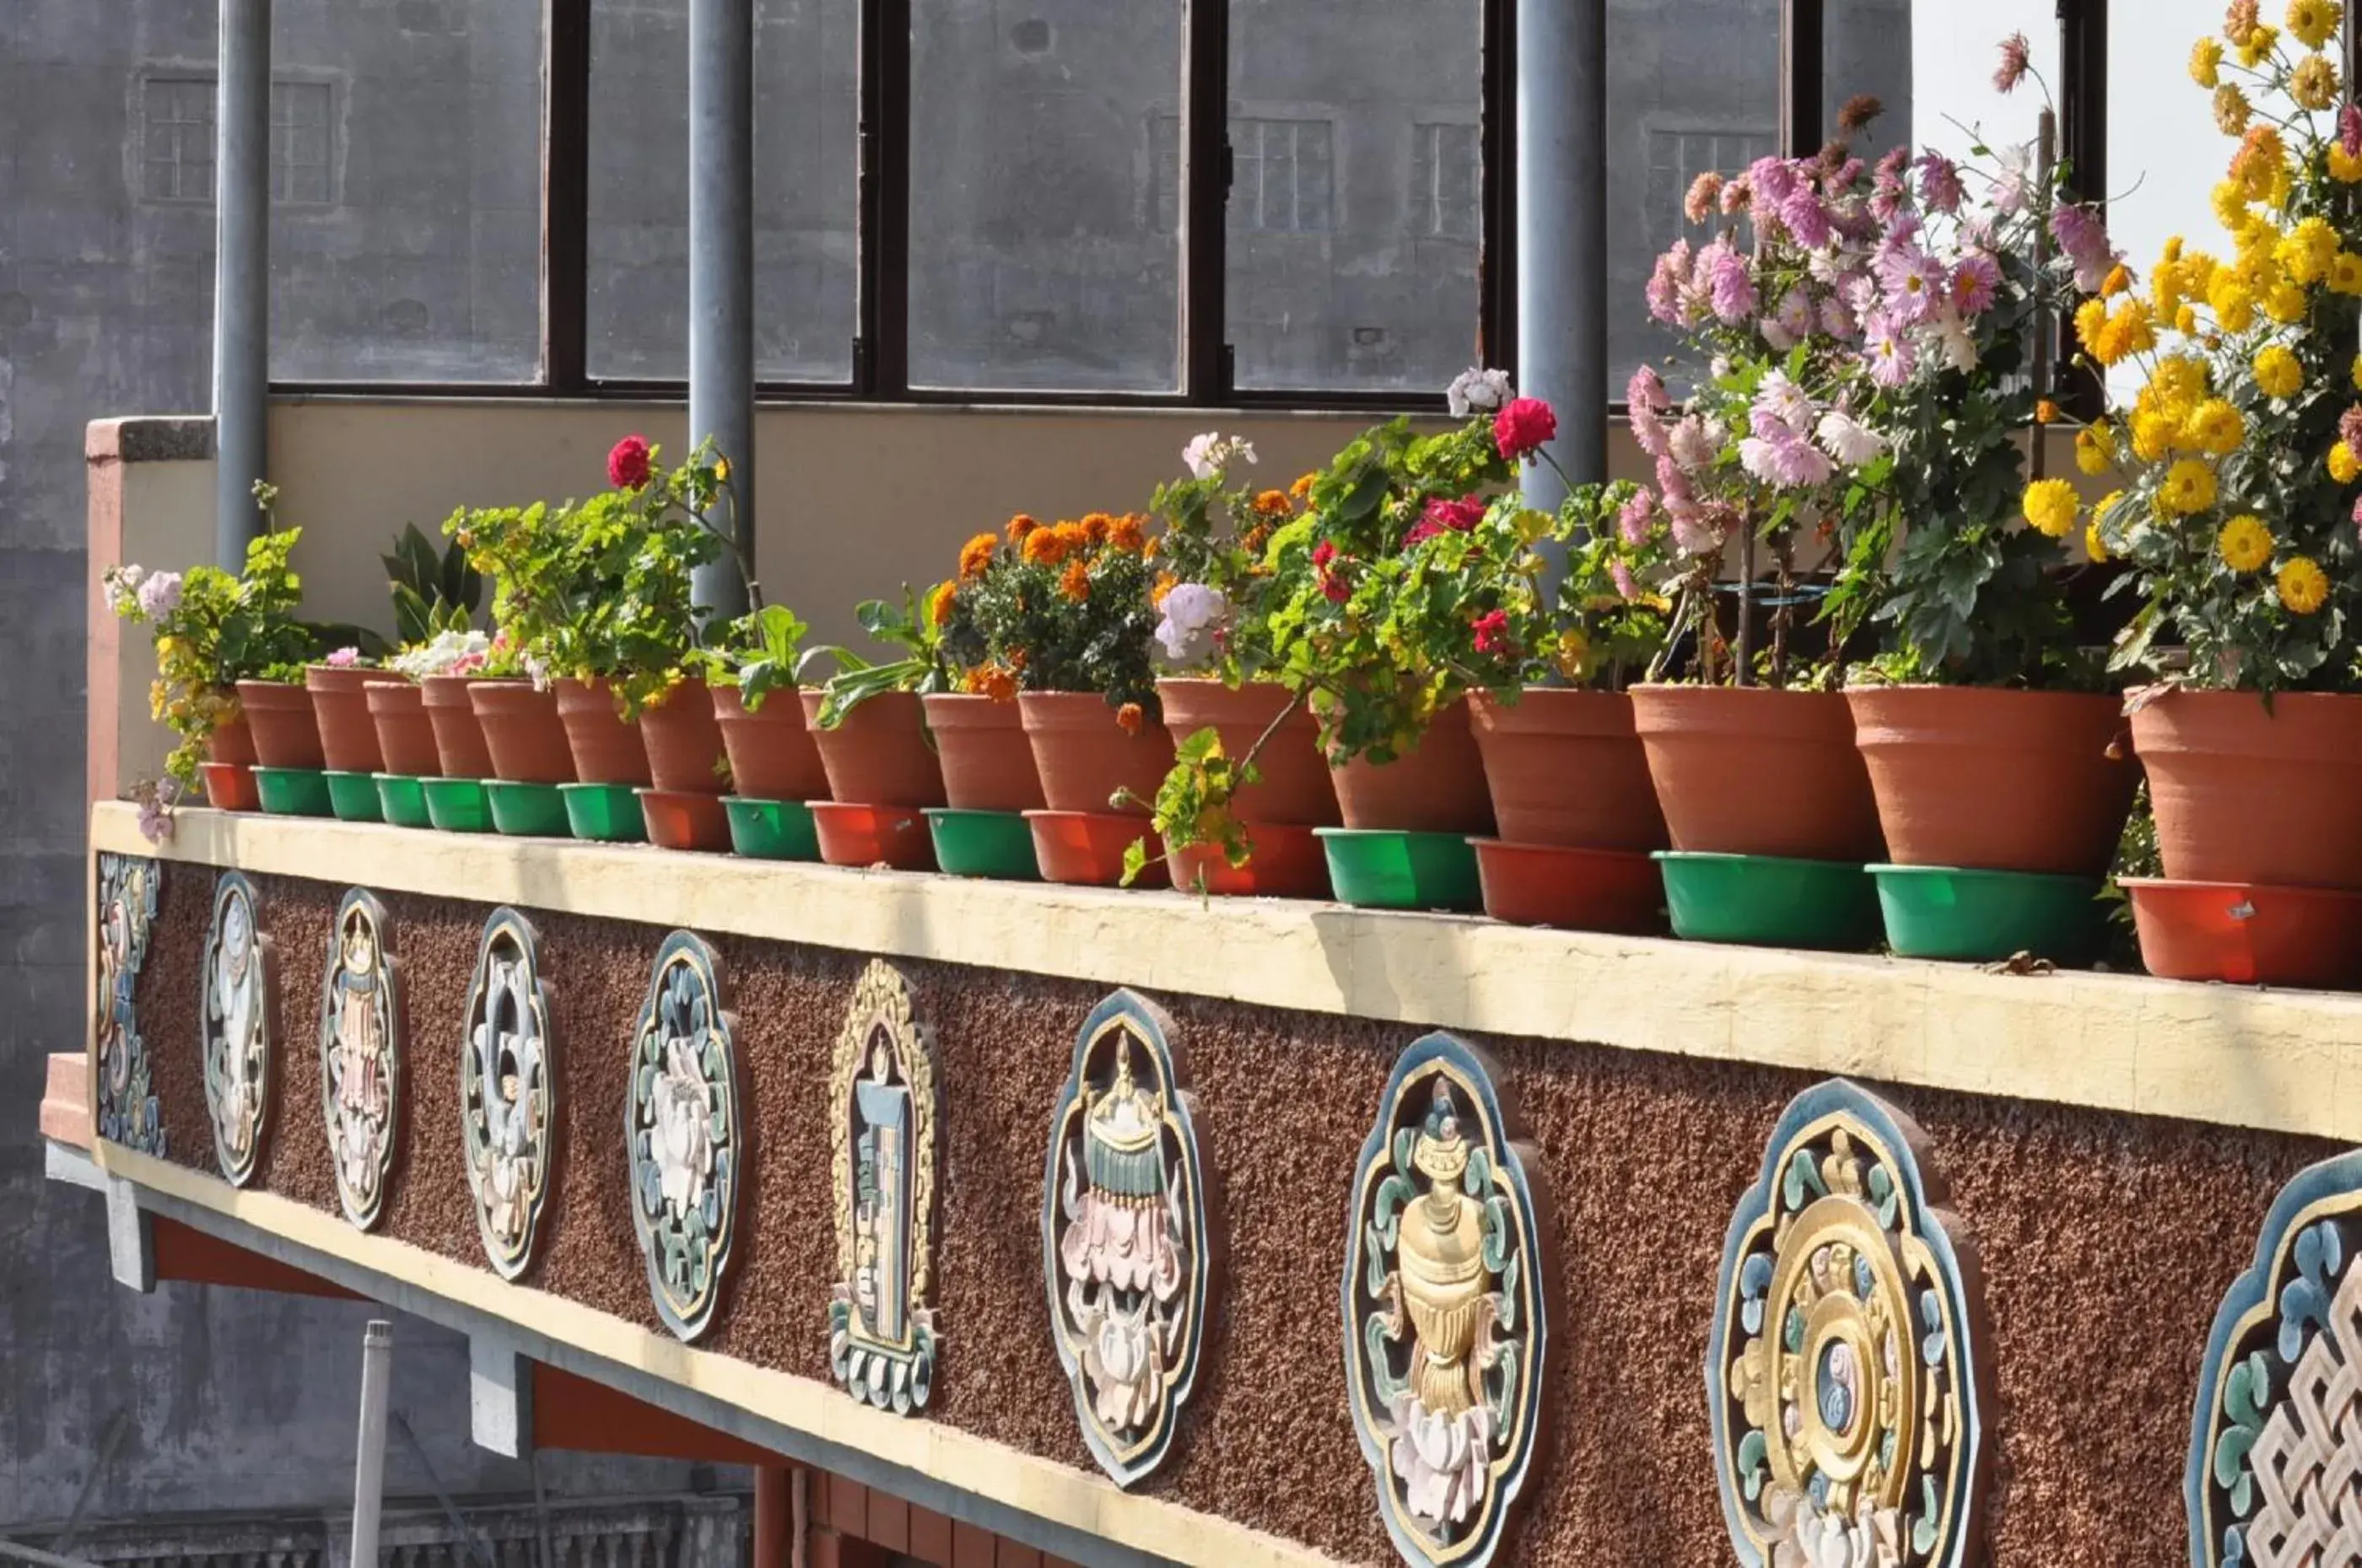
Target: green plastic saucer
point(457, 805)
point(1767, 901)
point(771, 830)
point(604, 813)
point(1373, 868)
point(401, 800)
point(1943, 911)
point(527, 811)
point(999, 844)
point(353, 797)
point(294, 791)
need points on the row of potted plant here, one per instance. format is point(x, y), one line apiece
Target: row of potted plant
point(1833, 669)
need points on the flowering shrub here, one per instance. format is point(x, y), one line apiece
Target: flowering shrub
point(602, 589)
point(1055, 607)
point(2235, 463)
point(1214, 585)
point(212, 630)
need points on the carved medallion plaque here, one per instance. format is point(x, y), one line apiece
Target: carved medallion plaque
point(882, 1338)
point(1445, 1306)
point(1843, 1375)
point(237, 1024)
point(128, 1113)
point(681, 1129)
point(508, 1091)
point(1124, 1235)
point(361, 1055)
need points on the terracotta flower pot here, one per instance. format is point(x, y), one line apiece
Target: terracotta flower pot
point(231, 742)
point(1749, 770)
point(1996, 780)
point(340, 702)
point(988, 762)
point(405, 736)
point(1438, 786)
point(879, 755)
point(286, 734)
point(1566, 770)
point(2245, 793)
point(772, 757)
point(607, 747)
point(684, 743)
point(458, 733)
point(1296, 789)
point(1086, 756)
point(521, 733)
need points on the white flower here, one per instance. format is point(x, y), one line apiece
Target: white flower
point(2009, 192)
point(1694, 443)
point(1191, 612)
point(1784, 401)
point(440, 655)
point(161, 595)
point(1210, 453)
point(1847, 440)
point(1958, 342)
point(1478, 391)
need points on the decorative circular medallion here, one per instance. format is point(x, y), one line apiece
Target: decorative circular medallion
point(128, 1113)
point(681, 1127)
point(881, 1092)
point(361, 1055)
point(1446, 1316)
point(508, 1091)
point(2275, 1470)
point(1842, 1373)
point(236, 1027)
point(1123, 1235)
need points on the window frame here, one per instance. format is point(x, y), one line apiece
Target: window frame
point(880, 363)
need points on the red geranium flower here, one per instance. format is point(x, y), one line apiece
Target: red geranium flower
point(627, 465)
point(1324, 557)
point(1492, 632)
point(1524, 426)
point(1460, 515)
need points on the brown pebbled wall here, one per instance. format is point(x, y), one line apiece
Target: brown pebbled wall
point(2107, 1240)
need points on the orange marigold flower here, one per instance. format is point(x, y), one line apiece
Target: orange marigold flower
point(1075, 537)
point(1074, 582)
point(940, 603)
point(1096, 526)
point(1148, 552)
point(1254, 539)
point(1272, 503)
point(1020, 527)
point(1303, 486)
point(1044, 547)
point(1166, 583)
point(976, 555)
point(1128, 718)
point(990, 681)
point(2045, 411)
point(1128, 532)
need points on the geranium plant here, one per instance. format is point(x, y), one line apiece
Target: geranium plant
point(601, 589)
point(2236, 459)
point(1054, 607)
point(1214, 584)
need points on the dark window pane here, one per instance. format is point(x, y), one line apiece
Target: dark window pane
point(805, 270)
point(405, 185)
point(1045, 233)
point(1866, 52)
point(1354, 213)
point(1693, 86)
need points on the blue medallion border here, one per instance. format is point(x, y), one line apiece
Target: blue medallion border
point(1841, 1097)
point(2316, 1194)
point(509, 1263)
point(1152, 1030)
point(691, 951)
point(1471, 1068)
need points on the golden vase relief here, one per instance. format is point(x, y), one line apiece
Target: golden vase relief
point(882, 1339)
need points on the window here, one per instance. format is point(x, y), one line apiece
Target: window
point(177, 131)
point(1447, 181)
point(299, 142)
point(806, 80)
point(1350, 265)
point(1045, 250)
point(1676, 157)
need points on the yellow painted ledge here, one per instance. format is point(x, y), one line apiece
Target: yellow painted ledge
point(2288, 1061)
point(958, 1459)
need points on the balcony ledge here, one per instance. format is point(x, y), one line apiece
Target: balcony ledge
point(2282, 1061)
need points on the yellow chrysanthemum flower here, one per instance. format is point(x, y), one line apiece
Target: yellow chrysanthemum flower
point(2285, 303)
point(2118, 280)
point(2051, 506)
point(2153, 434)
point(2206, 63)
point(2215, 426)
point(2093, 450)
point(2233, 305)
point(2344, 466)
point(2259, 45)
point(2343, 166)
point(2314, 84)
point(2307, 250)
point(2232, 110)
point(2279, 372)
point(2356, 372)
point(2314, 22)
point(2189, 487)
point(2345, 274)
point(2129, 329)
point(2185, 320)
point(2245, 544)
point(2303, 585)
point(2181, 380)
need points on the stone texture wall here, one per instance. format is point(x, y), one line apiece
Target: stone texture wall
point(2107, 1240)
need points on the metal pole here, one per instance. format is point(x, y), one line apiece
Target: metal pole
point(1561, 166)
point(722, 266)
point(368, 1464)
point(241, 274)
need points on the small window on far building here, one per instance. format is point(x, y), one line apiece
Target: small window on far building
point(1284, 176)
point(1447, 180)
point(299, 143)
point(177, 141)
